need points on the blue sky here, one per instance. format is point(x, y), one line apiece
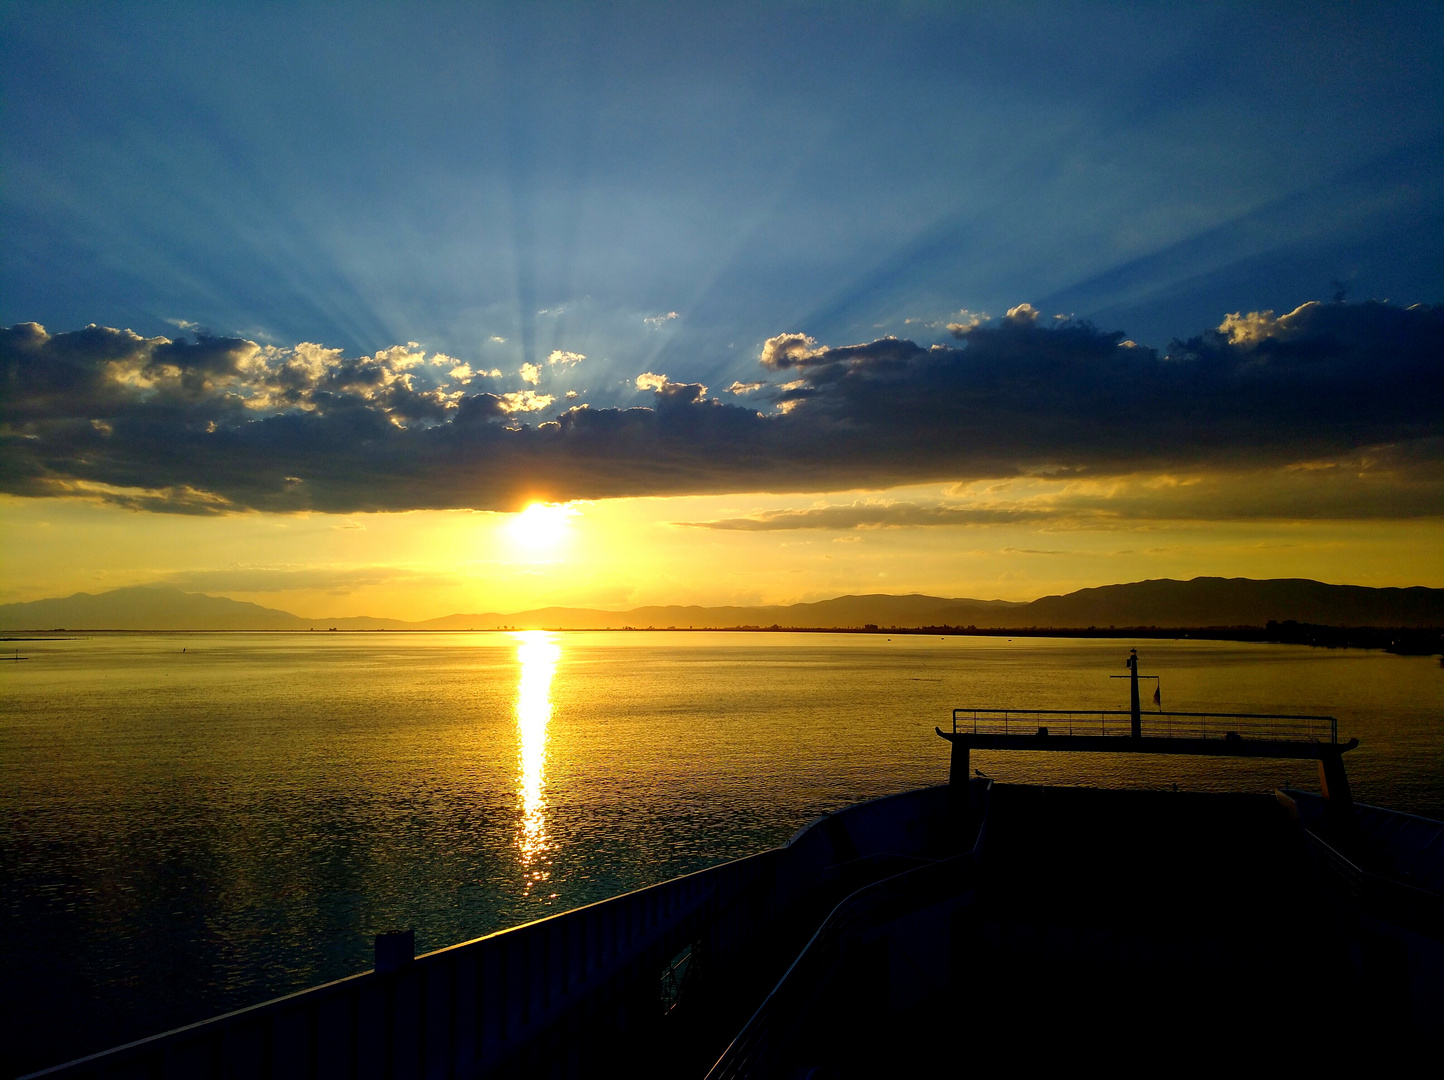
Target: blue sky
point(555, 174)
point(782, 300)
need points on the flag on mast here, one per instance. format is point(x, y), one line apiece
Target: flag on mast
point(1158, 695)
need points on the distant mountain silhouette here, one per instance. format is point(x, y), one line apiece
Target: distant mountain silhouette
point(1163, 603)
point(145, 607)
point(1212, 601)
point(879, 608)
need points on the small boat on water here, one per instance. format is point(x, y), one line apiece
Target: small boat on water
point(931, 933)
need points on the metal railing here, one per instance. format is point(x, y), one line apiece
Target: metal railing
point(755, 1049)
point(1164, 725)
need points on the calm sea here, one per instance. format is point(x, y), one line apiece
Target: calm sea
point(194, 823)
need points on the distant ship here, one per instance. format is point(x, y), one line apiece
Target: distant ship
point(930, 933)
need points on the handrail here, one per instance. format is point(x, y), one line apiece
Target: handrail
point(751, 1045)
point(1288, 726)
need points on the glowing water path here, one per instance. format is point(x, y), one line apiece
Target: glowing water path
point(537, 654)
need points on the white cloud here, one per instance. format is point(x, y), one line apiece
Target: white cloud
point(561, 356)
point(744, 387)
point(525, 401)
point(530, 373)
point(966, 320)
point(401, 357)
point(1254, 327)
point(650, 380)
point(786, 350)
point(659, 320)
point(1022, 314)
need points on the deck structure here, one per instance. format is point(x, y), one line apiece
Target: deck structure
point(1121, 731)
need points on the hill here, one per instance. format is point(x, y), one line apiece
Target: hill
point(1211, 601)
point(879, 608)
point(145, 607)
point(1201, 602)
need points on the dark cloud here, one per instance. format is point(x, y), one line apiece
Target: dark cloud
point(1380, 484)
point(866, 515)
point(225, 424)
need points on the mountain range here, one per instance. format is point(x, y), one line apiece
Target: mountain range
point(1201, 602)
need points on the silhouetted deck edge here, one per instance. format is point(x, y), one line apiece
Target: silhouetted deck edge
point(1122, 744)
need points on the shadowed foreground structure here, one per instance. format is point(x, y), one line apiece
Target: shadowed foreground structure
point(1106, 927)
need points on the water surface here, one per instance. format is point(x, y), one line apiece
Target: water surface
point(197, 822)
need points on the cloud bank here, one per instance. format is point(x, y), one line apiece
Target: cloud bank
point(223, 424)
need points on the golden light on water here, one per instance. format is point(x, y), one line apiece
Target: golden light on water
point(537, 654)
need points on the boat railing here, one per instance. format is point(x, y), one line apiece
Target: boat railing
point(1167, 725)
point(753, 1052)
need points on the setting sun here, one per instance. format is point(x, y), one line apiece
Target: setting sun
point(541, 526)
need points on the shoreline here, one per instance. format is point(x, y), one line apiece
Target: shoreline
point(1402, 641)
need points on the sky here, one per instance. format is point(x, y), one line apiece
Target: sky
point(307, 304)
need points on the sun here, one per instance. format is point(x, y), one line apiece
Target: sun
point(541, 525)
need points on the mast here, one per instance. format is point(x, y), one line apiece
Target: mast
point(1134, 707)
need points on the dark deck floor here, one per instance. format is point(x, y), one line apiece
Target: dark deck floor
point(1157, 929)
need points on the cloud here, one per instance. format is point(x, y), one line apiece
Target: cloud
point(656, 321)
point(965, 322)
point(789, 350)
point(523, 401)
point(225, 424)
point(460, 370)
point(869, 515)
point(566, 359)
point(744, 387)
point(1386, 484)
point(530, 373)
point(672, 394)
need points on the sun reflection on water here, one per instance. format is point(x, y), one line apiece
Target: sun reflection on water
point(537, 654)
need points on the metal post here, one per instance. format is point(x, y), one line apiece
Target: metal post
point(958, 768)
point(1133, 687)
point(394, 950)
point(1338, 801)
point(959, 789)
